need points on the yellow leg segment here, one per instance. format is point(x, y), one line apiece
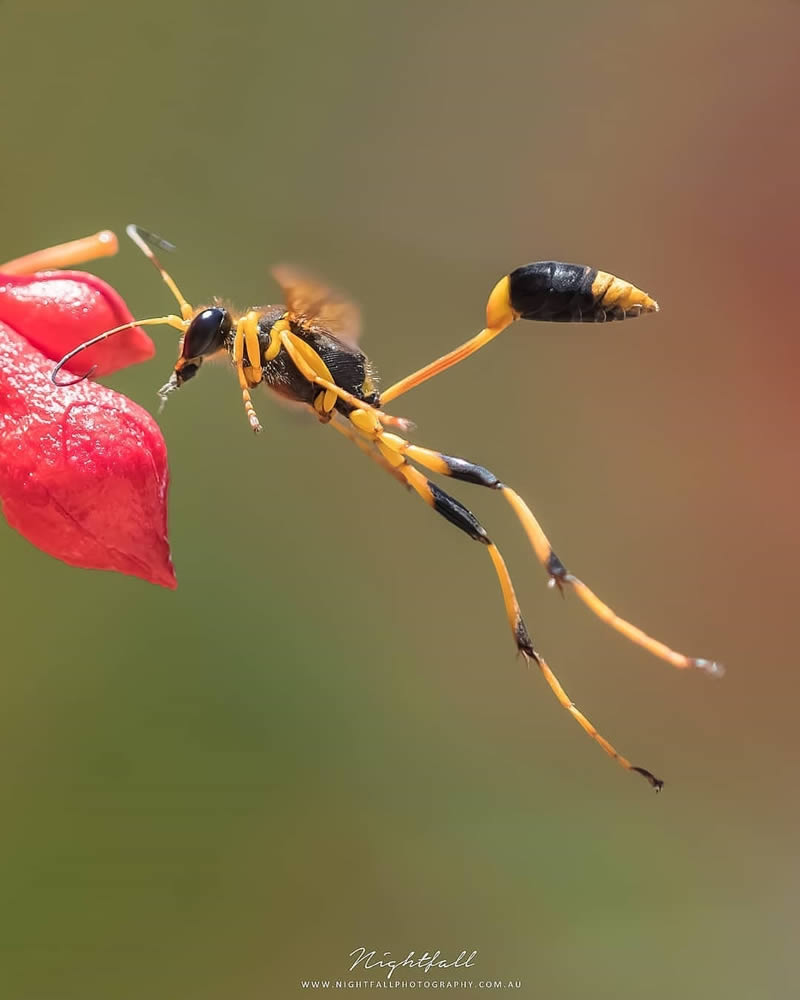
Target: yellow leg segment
point(512, 610)
point(315, 369)
point(275, 339)
point(249, 325)
point(238, 360)
point(560, 576)
point(457, 514)
point(369, 448)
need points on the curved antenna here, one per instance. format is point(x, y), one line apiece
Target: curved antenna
point(173, 321)
point(145, 241)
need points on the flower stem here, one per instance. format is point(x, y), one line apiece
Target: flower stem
point(102, 244)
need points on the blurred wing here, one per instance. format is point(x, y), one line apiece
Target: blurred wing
point(317, 305)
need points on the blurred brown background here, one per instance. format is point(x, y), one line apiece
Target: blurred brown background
point(190, 810)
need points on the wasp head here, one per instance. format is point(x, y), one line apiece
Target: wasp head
point(207, 334)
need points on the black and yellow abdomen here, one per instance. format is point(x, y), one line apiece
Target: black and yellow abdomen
point(567, 293)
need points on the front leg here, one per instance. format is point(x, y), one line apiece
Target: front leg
point(246, 334)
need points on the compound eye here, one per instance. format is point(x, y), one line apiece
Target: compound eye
point(206, 333)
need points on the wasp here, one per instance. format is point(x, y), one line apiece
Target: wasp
point(306, 350)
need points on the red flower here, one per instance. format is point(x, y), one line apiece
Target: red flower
point(83, 469)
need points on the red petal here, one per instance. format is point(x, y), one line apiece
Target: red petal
point(83, 469)
point(57, 310)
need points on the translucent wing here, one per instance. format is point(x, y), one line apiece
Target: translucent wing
point(315, 304)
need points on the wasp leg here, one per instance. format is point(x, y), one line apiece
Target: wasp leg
point(249, 326)
point(545, 290)
point(312, 367)
point(242, 372)
point(456, 513)
point(368, 447)
point(469, 472)
point(102, 244)
point(459, 468)
point(559, 575)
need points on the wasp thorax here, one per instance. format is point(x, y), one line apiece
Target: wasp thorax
point(207, 332)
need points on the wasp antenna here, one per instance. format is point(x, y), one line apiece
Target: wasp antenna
point(70, 381)
point(145, 241)
point(153, 240)
point(173, 321)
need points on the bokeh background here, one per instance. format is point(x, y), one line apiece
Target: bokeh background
point(194, 807)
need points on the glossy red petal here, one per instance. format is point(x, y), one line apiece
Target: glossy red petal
point(57, 310)
point(83, 469)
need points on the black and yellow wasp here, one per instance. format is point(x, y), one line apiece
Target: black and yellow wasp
point(306, 350)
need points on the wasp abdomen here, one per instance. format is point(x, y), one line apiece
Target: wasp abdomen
point(571, 293)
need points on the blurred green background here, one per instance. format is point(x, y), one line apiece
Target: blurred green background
point(194, 807)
